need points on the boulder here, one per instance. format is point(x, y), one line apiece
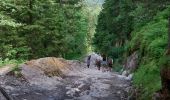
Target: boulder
point(125, 73)
point(46, 72)
point(131, 63)
point(49, 66)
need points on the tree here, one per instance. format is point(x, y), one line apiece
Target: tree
point(114, 27)
point(48, 28)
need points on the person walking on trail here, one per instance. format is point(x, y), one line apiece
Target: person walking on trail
point(110, 64)
point(98, 63)
point(88, 61)
point(104, 62)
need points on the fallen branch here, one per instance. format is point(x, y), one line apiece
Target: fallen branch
point(5, 94)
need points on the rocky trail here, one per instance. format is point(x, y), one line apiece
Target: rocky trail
point(58, 79)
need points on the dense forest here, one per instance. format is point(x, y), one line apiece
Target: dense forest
point(128, 26)
point(38, 28)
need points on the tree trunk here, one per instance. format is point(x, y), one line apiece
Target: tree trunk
point(61, 2)
point(168, 51)
point(30, 22)
point(30, 12)
point(165, 72)
point(5, 94)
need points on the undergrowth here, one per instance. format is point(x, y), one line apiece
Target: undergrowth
point(152, 41)
point(15, 69)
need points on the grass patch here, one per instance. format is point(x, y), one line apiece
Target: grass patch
point(148, 79)
point(117, 67)
point(16, 70)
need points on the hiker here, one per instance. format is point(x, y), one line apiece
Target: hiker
point(110, 64)
point(104, 62)
point(98, 63)
point(88, 61)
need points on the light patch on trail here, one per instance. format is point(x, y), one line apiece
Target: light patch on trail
point(100, 84)
point(100, 90)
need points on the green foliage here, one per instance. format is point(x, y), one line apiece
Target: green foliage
point(152, 38)
point(147, 78)
point(33, 29)
point(117, 66)
point(125, 26)
point(113, 28)
point(152, 41)
point(16, 71)
point(8, 61)
point(91, 10)
point(164, 61)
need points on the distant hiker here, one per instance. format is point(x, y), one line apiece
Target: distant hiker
point(88, 61)
point(110, 64)
point(104, 62)
point(98, 63)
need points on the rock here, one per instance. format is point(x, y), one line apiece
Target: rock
point(50, 66)
point(125, 73)
point(129, 77)
point(73, 92)
point(9, 88)
point(2, 97)
point(132, 61)
point(119, 92)
point(47, 72)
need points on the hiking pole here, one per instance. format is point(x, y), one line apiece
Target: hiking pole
point(5, 94)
